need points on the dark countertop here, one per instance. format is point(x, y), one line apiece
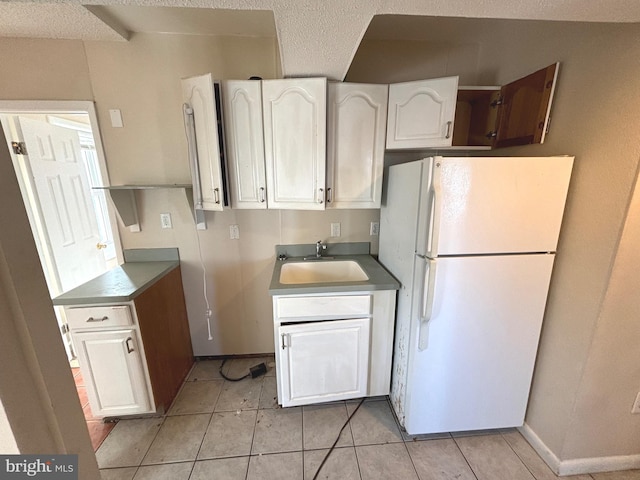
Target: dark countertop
point(379, 278)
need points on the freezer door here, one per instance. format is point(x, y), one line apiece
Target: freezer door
point(494, 205)
point(480, 343)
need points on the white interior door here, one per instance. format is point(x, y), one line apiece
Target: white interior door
point(62, 196)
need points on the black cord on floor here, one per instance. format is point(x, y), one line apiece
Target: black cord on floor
point(228, 378)
point(338, 438)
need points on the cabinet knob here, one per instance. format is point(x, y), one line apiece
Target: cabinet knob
point(329, 195)
point(129, 347)
point(91, 319)
point(320, 195)
point(261, 195)
point(448, 134)
point(216, 195)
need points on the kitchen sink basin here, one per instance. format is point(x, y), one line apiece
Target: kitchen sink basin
point(322, 272)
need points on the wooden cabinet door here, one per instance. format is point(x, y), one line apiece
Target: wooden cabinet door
point(294, 112)
point(523, 115)
point(198, 93)
point(356, 143)
point(113, 371)
point(323, 361)
point(421, 113)
point(242, 101)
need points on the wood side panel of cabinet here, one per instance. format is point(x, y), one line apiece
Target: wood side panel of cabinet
point(164, 328)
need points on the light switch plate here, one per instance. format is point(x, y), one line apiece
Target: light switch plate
point(234, 232)
point(374, 229)
point(335, 229)
point(116, 118)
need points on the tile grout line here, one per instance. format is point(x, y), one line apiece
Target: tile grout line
point(473, 472)
point(253, 434)
point(520, 458)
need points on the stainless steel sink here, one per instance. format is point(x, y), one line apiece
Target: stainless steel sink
point(322, 272)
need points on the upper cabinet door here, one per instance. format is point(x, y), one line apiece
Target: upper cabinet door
point(356, 141)
point(295, 115)
point(242, 101)
point(198, 93)
point(421, 113)
point(523, 115)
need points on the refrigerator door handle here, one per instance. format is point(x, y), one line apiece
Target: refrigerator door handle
point(434, 212)
point(426, 302)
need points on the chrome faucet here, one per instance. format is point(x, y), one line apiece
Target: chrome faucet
point(319, 248)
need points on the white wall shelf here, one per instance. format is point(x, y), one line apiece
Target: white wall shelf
point(124, 199)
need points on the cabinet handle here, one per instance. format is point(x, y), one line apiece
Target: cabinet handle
point(261, 195)
point(448, 135)
point(320, 195)
point(282, 335)
point(216, 194)
point(129, 348)
point(91, 319)
point(329, 195)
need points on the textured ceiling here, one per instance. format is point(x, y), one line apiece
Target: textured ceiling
point(316, 37)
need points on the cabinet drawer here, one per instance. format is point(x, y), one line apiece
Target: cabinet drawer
point(324, 306)
point(98, 317)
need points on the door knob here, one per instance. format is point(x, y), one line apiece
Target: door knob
point(100, 246)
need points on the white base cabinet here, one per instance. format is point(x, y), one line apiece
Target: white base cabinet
point(324, 361)
point(333, 346)
point(113, 360)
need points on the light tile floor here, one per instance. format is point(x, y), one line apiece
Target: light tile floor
point(234, 430)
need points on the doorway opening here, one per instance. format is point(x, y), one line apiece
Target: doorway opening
point(57, 154)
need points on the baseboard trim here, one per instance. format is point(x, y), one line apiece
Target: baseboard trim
point(580, 465)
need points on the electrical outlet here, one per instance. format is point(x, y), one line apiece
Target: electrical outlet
point(335, 229)
point(374, 229)
point(165, 220)
point(234, 232)
point(636, 404)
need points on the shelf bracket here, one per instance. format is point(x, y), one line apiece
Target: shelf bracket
point(125, 202)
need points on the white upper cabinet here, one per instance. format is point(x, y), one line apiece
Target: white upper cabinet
point(357, 121)
point(242, 100)
point(207, 171)
point(421, 113)
point(294, 112)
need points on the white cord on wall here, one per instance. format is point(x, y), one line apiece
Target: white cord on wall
point(204, 287)
point(188, 114)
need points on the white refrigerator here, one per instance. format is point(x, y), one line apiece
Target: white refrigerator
point(472, 242)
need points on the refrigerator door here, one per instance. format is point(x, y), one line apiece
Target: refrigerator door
point(481, 343)
point(486, 205)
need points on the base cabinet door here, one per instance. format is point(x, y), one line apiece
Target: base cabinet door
point(112, 361)
point(324, 361)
